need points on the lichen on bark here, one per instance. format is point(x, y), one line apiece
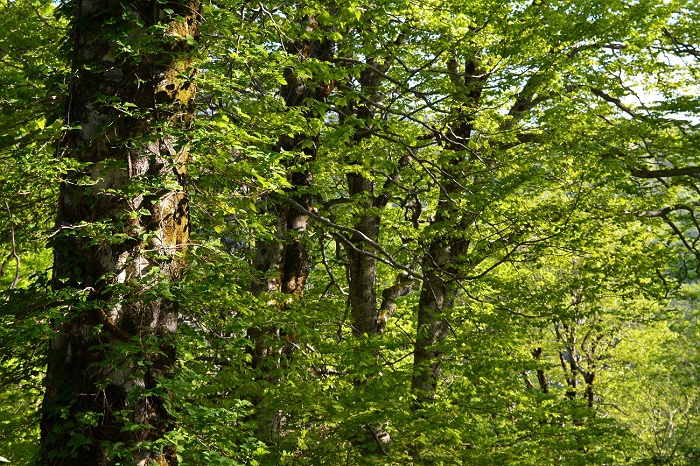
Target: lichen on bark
point(122, 227)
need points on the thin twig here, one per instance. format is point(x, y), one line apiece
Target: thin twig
point(387, 256)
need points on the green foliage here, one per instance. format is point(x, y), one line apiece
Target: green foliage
point(32, 70)
point(572, 334)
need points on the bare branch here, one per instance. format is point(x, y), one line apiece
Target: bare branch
point(667, 210)
point(387, 258)
point(617, 102)
point(666, 172)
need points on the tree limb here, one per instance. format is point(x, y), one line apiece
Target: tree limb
point(666, 172)
point(324, 221)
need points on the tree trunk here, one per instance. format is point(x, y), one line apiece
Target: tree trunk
point(541, 376)
point(123, 223)
point(284, 261)
point(362, 269)
point(437, 296)
point(445, 258)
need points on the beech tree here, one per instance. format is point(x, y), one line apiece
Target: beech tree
point(415, 233)
point(122, 227)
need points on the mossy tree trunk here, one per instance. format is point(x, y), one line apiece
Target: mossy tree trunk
point(123, 224)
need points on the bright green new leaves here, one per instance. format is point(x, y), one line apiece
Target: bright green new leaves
point(32, 74)
point(555, 141)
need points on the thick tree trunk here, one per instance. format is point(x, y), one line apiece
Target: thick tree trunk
point(123, 222)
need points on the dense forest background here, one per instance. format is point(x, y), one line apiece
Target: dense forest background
point(344, 233)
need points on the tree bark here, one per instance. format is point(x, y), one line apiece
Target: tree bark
point(362, 268)
point(284, 261)
point(541, 376)
point(122, 226)
point(445, 258)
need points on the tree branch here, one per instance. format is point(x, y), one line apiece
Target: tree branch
point(667, 210)
point(666, 172)
point(324, 221)
point(616, 102)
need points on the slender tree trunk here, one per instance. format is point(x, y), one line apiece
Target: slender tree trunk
point(284, 261)
point(437, 296)
point(123, 222)
point(445, 259)
point(367, 317)
point(589, 378)
point(541, 376)
point(362, 268)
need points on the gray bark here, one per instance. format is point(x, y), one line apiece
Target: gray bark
point(446, 253)
point(284, 261)
point(362, 269)
point(123, 223)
